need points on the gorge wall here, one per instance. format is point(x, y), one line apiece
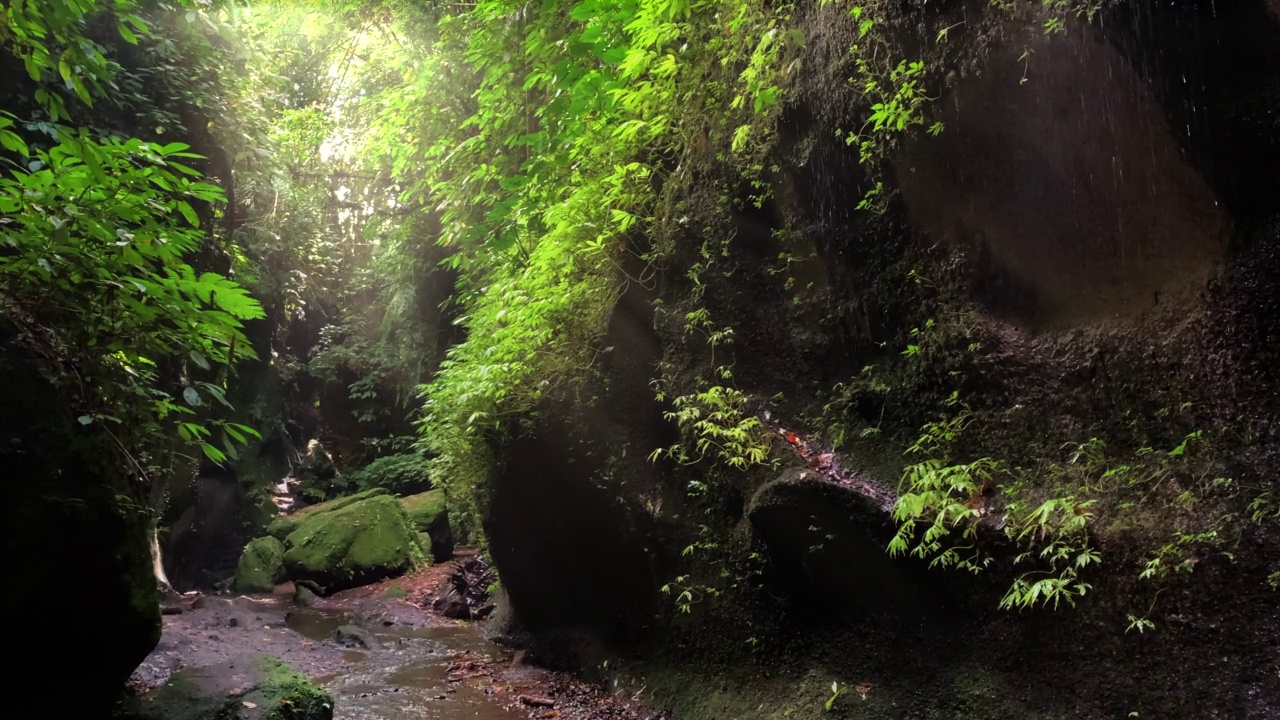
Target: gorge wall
point(1085, 251)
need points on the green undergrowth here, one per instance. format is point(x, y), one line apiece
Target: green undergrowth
point(398, 474)
point(555, 179)
point(1155, 513)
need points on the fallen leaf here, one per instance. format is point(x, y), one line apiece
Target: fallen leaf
point(250, 705)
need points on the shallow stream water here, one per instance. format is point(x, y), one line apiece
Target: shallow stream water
point(409, 676)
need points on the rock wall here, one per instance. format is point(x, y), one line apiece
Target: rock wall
point(1089, 244)
point(576, 553)
point(79, 593)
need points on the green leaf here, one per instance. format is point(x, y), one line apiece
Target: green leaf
point(217, 394)
point(85, 419)
point(188, 212)
point(197, 357)
point(246, 430)
point(228, 296)
point(14, 143)
point(213, 453)
point(127, 34)
point(235, 434)
point(192, 396)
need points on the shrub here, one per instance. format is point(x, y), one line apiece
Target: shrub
point(398, 474)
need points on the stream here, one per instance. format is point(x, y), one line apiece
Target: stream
point(412, 676)
point(417, 665)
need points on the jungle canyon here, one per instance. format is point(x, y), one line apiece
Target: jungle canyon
point(645, 359)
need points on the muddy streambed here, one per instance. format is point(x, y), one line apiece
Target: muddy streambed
point(417, 666)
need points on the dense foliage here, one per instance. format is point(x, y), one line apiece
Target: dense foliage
point(100, 235)
point(437, 207)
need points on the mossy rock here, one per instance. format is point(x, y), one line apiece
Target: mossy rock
point(248, 687)
point(261, 566)
point(429, 515)
point(283, 526)
point(359, 543)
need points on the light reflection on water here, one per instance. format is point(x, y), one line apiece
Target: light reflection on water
point(408, 677)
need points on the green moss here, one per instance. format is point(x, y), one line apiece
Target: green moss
point(428, 514)
point(359, 543)
point(425, 509)
point(287, 694)
point(283, 526)
point(249, 687)
point(261, 565)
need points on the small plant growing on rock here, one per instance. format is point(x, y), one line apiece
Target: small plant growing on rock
point(836, 692)
point(1058, 526)
point(942, 499)
point(943, 504)
point(720, 427)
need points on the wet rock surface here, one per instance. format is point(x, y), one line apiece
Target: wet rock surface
point(354, 636)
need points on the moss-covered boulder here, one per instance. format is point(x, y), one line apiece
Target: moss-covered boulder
point(429, 515)
point(359, 543)
point(283, 526)
point(248, 687)
point(261, 566)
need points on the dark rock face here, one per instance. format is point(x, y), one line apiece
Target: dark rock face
point(202, 543)
point(827, 550)
point(1040, 172)
point(572, 552)
point(1212, 68)
point(248, 687)
point(70, 521)
point(1102, 220)
point(563, 549)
